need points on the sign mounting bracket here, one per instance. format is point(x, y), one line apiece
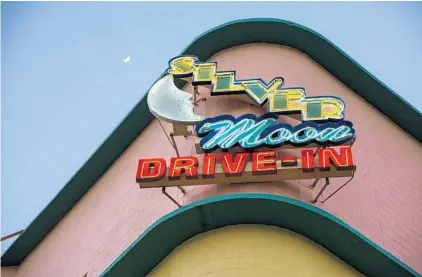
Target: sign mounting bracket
point(337, 190)
point(195, 93)
point(163, 191)
point(327, 183)
point(174, 145)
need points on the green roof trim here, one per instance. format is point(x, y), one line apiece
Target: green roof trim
point(160, 239)
point(231, 34)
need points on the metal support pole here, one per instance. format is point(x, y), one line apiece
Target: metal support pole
point(312, 186)
point(163, 191)
point(173, 141)
point(353, 141)
point(178, 155)
point(337, 190)
point(195, 93)
point(12, 235)
point(182, 190)
point(174, 145)
point(327, 182)
point(314, 183)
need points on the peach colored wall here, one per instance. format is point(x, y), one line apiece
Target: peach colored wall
point(383, 201)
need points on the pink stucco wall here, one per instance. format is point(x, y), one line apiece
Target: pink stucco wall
point(383, 201)
point(8, 271)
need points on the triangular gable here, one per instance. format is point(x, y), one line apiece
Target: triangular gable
point(225, 36)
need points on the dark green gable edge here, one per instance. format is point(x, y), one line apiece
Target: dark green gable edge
point(222, 37)
point(162, 237)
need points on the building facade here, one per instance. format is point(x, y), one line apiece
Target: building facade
point(103, 224)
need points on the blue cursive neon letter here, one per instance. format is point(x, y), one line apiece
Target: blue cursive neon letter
point(250, 132)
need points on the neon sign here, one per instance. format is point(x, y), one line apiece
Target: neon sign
point(280, 100)
point(250, 132)
point(322, 127)
point(255, 166)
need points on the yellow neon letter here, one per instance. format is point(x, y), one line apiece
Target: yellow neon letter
point(183, 66)
point(323, 108)
point(224, 83)
point(204, 73)
point(286, 101)
point(258, 91)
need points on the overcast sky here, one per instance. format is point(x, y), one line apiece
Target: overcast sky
point(65, 86)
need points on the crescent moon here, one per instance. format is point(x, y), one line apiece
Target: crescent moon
point(169, 103)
